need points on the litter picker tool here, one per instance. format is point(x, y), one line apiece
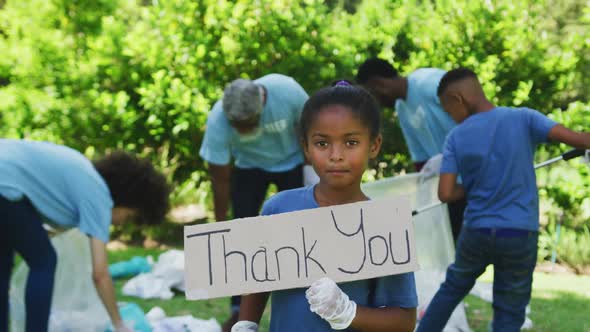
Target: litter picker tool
point(571, 154)
point(426, 208)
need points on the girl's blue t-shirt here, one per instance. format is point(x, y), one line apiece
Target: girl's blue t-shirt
point(290, 309)
point(493, 153)
point(60, 182)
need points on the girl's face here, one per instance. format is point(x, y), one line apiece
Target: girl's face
point(339, 146)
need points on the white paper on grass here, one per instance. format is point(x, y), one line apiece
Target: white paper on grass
point(167, 273)
point(187, 323)
point(345, 242)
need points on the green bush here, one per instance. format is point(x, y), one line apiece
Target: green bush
point(565, 186)
point(142, 75)
point(573, 247)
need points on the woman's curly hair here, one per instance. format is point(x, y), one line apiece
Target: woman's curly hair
point(136, 184)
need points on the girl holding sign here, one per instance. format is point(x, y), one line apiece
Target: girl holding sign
point(339, 129)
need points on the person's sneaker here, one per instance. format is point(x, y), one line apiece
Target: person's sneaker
point(226, 327)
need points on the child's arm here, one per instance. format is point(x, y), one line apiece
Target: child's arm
point(104, 283)
point(220, 181)
point(328, 301)
point(251, 309)
point(448, 188)
point(575, 139)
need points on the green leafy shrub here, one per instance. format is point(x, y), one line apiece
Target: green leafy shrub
point(573, 247)
point(143, 75)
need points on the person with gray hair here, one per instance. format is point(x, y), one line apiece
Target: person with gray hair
point(243, 100)
point(255, 125)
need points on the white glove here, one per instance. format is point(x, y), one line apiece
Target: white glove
point(432, 167)
point(244, 326)
point(328, 301)
point(310, 177)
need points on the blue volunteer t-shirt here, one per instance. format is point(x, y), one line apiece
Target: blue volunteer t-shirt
point(290, 309)
point(60, 182)
point(274, 146)
point(493, 153)
point(424, 123)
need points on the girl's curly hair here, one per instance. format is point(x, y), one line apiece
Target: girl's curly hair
point(136, 184)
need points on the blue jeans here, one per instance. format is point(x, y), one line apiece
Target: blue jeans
point(513, 253)
point(21, 231)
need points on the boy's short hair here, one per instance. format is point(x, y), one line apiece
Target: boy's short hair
point(375, 67)
point(453, 76)
point(136, 184)
point(242, 100)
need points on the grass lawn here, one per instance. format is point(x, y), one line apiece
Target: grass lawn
point(561, 302)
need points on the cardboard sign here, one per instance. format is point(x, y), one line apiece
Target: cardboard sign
point(291, 250)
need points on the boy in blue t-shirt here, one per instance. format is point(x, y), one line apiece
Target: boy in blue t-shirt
point(492, 150)
point(424, 123)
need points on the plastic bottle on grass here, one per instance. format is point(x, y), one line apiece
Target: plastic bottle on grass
point(130, 268)
point(133, 317)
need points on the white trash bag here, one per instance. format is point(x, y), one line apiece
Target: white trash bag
point(187, 323)
point(167, 273)
point(75, 305)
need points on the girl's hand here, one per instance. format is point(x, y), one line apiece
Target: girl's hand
point(245, 326)
point(328, 301)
